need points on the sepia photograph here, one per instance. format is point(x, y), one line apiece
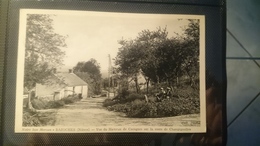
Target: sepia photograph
point(110, 72)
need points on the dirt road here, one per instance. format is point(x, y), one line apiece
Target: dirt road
point(89, 112)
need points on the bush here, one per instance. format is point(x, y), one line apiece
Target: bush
point(70, 99)
point(33, 118)
point(119, 108)
point(30, 119)
point(134, 105)
point(109, 102)
point(67, 100)
point(44, 104)
point(39, 103)
point(123, 93)
point(184, 100)
point(165, 108)
point(129, 98)
point(133, 96)
point(142, 109)
point(55, 104)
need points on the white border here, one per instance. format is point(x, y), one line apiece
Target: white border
point(20, 79)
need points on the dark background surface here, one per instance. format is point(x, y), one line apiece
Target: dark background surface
point(215, 33)
point(243, 71)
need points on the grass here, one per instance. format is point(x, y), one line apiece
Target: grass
point(37, 119)
point(41, 116)
point(44, 104)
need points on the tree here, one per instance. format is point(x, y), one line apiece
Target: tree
point(151, 41)
point(159, 58)
point(42, 49)
point(146, 55)
point(170, 60)
point(128, 61)
point(90, 72)
point(105, 83)
point(192, 38)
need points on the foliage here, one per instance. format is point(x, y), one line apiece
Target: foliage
point(165, 62)
point(191, 64)
point(120, 108)
point(134, 105)
point(30, 119)
point(55, 104)
point(123, 93)
point(70, 99)
point(105, 83)
point(34, 118)
point(160, 58)
point(39, 103)
point(92, 67)
point(109, 102)
point(134, 96)
point(90, 72)
point(42, 49)
point(138, 56)
point(44, 104)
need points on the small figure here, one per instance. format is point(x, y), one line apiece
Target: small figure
point(160, 95)
point(146, 98)
point(168, 93)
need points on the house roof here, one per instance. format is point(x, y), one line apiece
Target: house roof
point(58, 82)
point(43, 90)
point(70, 79)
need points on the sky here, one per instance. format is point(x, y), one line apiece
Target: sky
point(96, 34)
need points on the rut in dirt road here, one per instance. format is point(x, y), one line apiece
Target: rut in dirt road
point(89, 112)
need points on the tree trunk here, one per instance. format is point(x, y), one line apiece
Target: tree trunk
point(177, 79)
point(158, 79)
point(147, 85)
point(136, 84)
point(30, 107)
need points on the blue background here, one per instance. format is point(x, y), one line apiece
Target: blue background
point(243, 72)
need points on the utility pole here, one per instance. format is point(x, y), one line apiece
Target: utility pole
point(109, 74)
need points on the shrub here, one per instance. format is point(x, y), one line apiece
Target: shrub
point(70, 99)
point(142, 109)
point(129, 98)
point(33, 118)
point(184, 100)
point(109, 102)
point(55, 104)
point(47, 118)
point(135, 106)
point(123, 93)
point(67, 100)
point(39, 103)
point(44, 104)
point(120, 108)
point(133, 96)
point(30, 119)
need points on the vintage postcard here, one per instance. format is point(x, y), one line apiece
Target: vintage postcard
point(110, 72)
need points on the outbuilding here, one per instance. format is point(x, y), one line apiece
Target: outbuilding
point(62, 85)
